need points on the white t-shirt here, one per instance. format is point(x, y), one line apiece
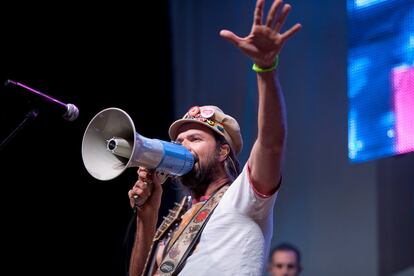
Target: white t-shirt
point(237, 237)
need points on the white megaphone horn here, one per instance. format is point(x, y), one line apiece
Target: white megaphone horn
point(110, 145)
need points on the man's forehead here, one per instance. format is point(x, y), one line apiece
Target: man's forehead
point(193, 128)
point(285, 255)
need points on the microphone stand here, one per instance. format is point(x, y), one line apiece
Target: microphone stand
point(29, 117)
point(71, 113)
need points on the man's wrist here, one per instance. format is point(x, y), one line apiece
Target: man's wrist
point(266, 68)
point(147, 216)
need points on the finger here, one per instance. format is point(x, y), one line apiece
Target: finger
point(272, 13)
point(141, 184)
point(142, 169)
point(289, 33)
point(142, 193)
point(136, 183)
point(258, 12)
point(282, 19)
point(137, 201)
point(136, 191)
point(230, 36)
point(132, 196)
point(143, 173)
point(132, 202)
point(138, 196)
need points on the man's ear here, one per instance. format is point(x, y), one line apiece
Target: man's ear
point(224, 152)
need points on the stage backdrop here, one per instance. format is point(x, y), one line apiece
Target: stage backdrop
point(337, 213)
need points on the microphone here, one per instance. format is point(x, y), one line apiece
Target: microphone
point(70, 111)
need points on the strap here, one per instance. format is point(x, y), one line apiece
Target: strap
point(182, 247)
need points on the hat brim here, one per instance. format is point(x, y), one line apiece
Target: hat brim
point(174, 128)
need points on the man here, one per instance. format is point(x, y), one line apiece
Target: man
point(236, 238)
point(284, 261)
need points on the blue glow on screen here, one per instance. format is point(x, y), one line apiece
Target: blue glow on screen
point(380, 78)
point(366, 3)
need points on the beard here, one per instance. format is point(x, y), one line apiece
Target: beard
point(198, 179)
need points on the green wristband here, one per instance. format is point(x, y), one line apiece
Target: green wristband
point(257, 69)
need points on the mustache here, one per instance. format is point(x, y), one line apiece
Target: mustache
point(195, 156)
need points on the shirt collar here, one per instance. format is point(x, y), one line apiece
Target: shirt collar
point(201, 199)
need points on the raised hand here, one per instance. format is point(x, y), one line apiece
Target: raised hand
point(265, 41)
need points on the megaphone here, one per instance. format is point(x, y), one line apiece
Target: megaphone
point(110, 145)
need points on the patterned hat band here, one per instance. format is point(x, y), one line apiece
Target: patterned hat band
point(214, 118)
point(209, 121)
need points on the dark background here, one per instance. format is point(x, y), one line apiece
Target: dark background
point(57, 219)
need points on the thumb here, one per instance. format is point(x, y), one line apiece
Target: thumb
point(230, 36)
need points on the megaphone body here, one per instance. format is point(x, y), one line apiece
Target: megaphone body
point(110, 145)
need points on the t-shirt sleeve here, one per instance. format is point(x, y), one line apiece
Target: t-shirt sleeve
point(243, 197)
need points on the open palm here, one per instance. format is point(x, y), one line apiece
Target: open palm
point(265, 40)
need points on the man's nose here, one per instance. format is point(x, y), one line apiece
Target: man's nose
point(285, 271)
point(186, 144)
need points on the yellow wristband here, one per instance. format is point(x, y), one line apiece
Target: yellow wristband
point(257, 69)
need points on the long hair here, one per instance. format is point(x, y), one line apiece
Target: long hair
point(231, 163)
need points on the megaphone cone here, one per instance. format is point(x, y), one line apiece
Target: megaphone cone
point(111, 144)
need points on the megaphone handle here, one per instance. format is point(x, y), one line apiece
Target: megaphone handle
point(162, 176)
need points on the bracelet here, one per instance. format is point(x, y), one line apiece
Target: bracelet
point(257, 69)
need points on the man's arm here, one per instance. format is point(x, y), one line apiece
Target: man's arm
point(266, 157)
point(148, 188)
point(142, 244)
point(262, 45)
